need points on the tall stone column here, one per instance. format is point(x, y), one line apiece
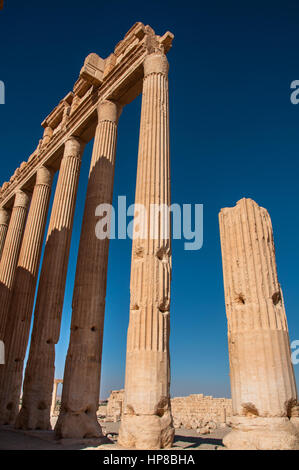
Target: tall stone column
point(262, 378)
point(146, 420)
point(4, 221)
point(22, 299)
point(39, 375)
point(11, 252)
point(54, 396)
point(81, 383)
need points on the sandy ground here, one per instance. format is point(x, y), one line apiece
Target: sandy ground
point(11, 439)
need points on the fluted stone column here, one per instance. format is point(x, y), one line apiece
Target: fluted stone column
point(146, 420)
point(54, 396)
point(4, 221)
point(81, 383)
point(11, 252)
point(39, 375)
point(22, 299)
point(262, 378)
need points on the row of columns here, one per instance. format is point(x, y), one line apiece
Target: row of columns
point(40, 368)
point(17, 326)
point(21, 243)
point(262, 378)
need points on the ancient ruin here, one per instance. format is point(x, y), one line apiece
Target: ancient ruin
point(264, 411)
point(137, 65)
point(115, 405)
point(196, 411)
point(263, 387)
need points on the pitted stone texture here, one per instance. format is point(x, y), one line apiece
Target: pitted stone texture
point(257, 433)
point(39, 375)
point(22, 199)
point(261, 371)
point(156, 63)
point(198, 411)
point(146, 431)
point(146, 420)
point(80, 395)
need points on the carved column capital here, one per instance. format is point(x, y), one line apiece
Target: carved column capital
point(73, 147)
point(109, 111)
point(44, 176)
point(22, 198)
point(155, 63)
point(4, 216)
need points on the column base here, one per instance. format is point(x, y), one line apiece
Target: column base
point(34, 418)
point(146, 432)
point(8, 413)
point(77, 425)
point(257, 433)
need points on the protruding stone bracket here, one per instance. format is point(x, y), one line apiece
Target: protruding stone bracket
point(93, 69)
point(57, 119)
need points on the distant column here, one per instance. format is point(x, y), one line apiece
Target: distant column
point(22, 299)
point(39, 375)
point(11, 252)
point(4, 221)
point(80, 395)
point(146, 420)
point(54, 396)
point(262, 378)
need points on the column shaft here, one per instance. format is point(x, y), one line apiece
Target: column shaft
point(4, 221)
point(262, 376)
point(22, 299)
point(81, 383)
point(39, 375)
point(10, 254)
point(147, 421)
point(54, 398)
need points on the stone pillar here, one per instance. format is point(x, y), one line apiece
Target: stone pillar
point(80, 396)
point(54, 396)
point(262, 378)
point(11, 252)
point(22, 299)
point(39, 375)
point(4, 221)
point(146, 420)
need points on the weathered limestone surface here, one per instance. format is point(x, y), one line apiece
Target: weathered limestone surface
point(4, 221)
point(146, 421)
point(22, 298)
point(39, 376)
point(10, 254)
point(115, 405)
point(262, 378)
point(201, 412)
point(80, 396)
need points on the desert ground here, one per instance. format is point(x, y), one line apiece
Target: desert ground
point(185, 439)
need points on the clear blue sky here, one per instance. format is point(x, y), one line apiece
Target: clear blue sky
point(234, 133)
